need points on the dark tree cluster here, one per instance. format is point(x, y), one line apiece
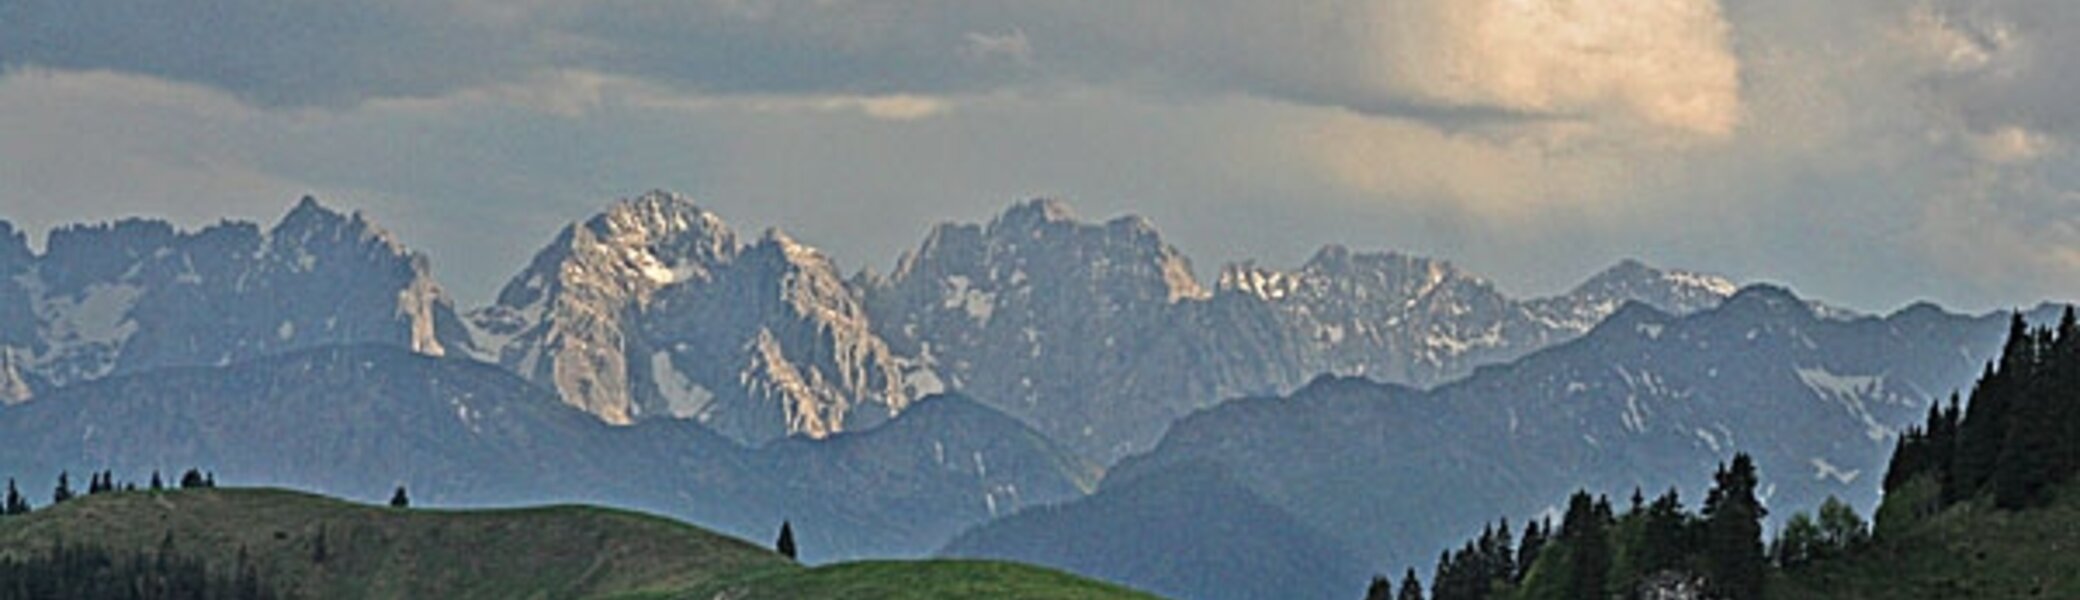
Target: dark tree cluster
point(1480, 567)
point(15, 504)
point(198, 479)
point(1382, 588)
point(90, 573)
point(103, 482)
point(2018, 436)
point(1806, 540)
point(1595, 552)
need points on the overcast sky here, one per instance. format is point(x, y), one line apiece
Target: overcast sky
point(1865, 152)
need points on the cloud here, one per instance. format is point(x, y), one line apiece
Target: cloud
point(1664, 62)
point(1922, 147)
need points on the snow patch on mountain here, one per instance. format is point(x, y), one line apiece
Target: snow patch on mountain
point(683, 399)
point(1822, 469)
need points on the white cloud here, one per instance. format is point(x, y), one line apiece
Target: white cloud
point(1664, 62)
point(2012, 144)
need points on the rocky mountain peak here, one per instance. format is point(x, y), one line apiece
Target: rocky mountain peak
point(140, 294)
point(14, 248)
point(1035, 213)
point(1766, 300)
point(1671, 291)
point(1682, 290)
point(310, 223)
point(655, 308)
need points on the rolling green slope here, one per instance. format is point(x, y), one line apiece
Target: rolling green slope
point(1967, 551)
point(914, 580)
point(310, 546)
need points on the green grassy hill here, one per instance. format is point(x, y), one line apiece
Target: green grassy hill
point(919, 580)
point(1966, 551)
point(315, 547)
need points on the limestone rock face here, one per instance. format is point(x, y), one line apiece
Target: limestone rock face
point(1099, 335)
point(655, 308)
point(138, 294)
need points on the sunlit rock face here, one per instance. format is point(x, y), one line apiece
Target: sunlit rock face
point(1099, 335)
point(655, 308)
point(138, 294)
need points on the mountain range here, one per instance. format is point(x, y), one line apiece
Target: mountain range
point(137, 295)
point(1644, 401)
point(1098, 335)
point(1356, 409)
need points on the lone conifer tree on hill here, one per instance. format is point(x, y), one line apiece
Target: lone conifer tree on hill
point(785, 545)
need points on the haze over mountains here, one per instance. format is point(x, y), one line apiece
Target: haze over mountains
point(1391, 474)
point(1097, 334)
point(653, 357)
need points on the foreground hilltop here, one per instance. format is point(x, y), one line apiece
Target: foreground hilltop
point(308, 546)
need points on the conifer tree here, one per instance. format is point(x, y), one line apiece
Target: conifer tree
point(399, 499)
point(64, 489)
point(16, 504)
point(1733, 532)
point(1587, 541)
point(1527, 551)
point(1411, 588)
point(1662, 529)
point(1502, 555)
point(785, 544)
point(1381, 588)
point(1984, 431)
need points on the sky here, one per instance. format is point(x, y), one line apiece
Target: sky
point(1869, 153)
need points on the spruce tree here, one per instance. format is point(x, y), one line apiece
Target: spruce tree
point(1985, 427)
point(785, 544)
point(1381, 588)
point(399, 499)
point(1503, 555)
point(64, 489)
point(1662, 529)
point(16, 504)
point(1411, 588)
point(1527, 551)
point(2027, 463)
point(1733, 532)
point(1587, 540)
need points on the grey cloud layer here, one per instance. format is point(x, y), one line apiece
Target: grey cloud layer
point(1924, 147)
point(1368, 56)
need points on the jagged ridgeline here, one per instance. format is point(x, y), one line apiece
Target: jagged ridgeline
point(1098, 334)
point(138, 295)
point(2016, 441)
